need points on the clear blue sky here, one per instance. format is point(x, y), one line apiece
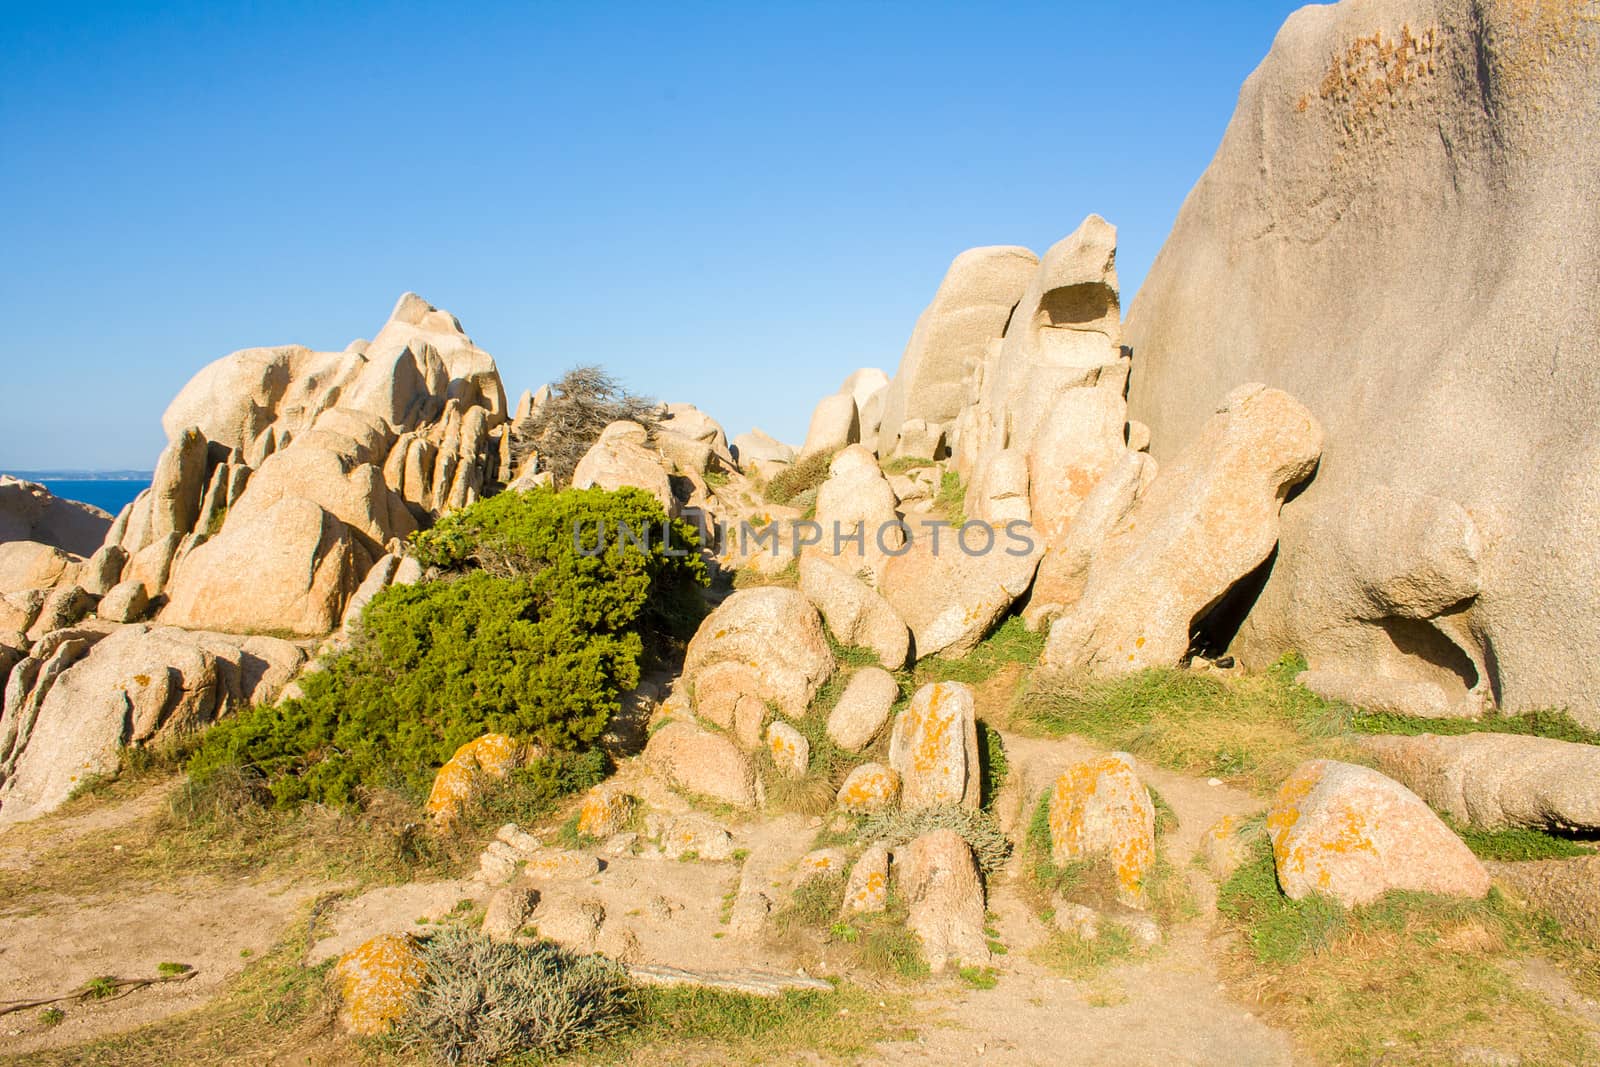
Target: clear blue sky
point(728, 204)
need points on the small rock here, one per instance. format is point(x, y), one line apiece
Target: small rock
point(870, 787)
point(819, 864)
point(791, 752)
point(863, 709)
point(376, 983)
point(1079, 920)
point(1223, 849)
point(489, 758)
point(939, 879)
point(867, 891)
point(934, 747)
point(554, 864)
point(605, 811)
point(698, 834)
point(508, 912)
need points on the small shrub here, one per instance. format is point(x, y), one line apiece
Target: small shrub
point(977, 828)
point(903, 464)
point(52, 1017)
point(172, 970)
point(581, 405)
point(100, 988)
point(799, 477)
point(482, 1002)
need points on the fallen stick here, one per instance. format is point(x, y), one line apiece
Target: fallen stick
point(92, 991)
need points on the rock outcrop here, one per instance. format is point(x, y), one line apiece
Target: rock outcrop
point(1498, 780)
point(765, 644)
point(938, 879)
point(30, 512)
point(934, 747)
point(1206, 522)
point(1398, 230)
point(1100, 809)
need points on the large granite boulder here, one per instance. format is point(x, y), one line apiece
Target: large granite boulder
point(30, 512)
point(1399, 230)
point(772, 638)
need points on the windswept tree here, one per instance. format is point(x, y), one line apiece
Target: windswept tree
point(583, 403)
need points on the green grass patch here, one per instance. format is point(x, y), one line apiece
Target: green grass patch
point(1519, 845)
point(797, 478)
point(1010, 642)
point(903, 464)
point(979, 977)
point(1554, 724)
point(950, 500)
point(1252, 731)
point(1074, 957)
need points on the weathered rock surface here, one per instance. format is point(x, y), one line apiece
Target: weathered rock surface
point(30, 512)
point(702, 763)
point(861, 529)
point(867, 890)
point(1064, 569)
point(938, 879)
point(471, 768)
point(1498, 780)
point(870, 787)
point(1100, 808)
point(934, 747)
point(1448, 148)
point(954, 584)
point(1352, 834)
point(1567, 890)
point(863, 708)
point(777, 635)
point(27, 565)
point(620, 458)
point(376, 983)
point(856, 613)
point(834, 424)
point(790, 751)
point(1206, 522)
point(971, 307)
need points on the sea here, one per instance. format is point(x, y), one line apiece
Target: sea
point(107, 493)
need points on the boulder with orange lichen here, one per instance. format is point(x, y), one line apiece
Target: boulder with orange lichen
point(867, 891)
point(791, 752)
point(1353, 834)
point(1100, 808)
point(488, 759)
point(605, 811)
point(870, 787)
point(772, 640)
point(377, 982)
point(934, 747)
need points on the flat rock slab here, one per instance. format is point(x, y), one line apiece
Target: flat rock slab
point(752, 982)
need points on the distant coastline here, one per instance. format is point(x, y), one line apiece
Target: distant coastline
point(108, 490)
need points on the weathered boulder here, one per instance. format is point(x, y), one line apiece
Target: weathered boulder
point(863, 709)
point(1223, 848)
point(135, 684)
point(605, 810)
point(834, 424)
point(687, 422)
point(28, 565)
point(1352, 834)
point(126, 602)
point(620, 458)
point(955, 583)
point(867, 890)
point(934, 747)
point(761, 453)
point(30, 512)
point(1207, 521)
point(1080, 441)
point(870, 787)
point(1498, 780)
point(103, 570)
point(938, 879)
point(856, 613)
point(819, 863)
point(699, 762)
point(790, 751)
point(377, 983)
point(1100, 809)
point(694, 833)
point(1064, 569)
point(289, 568)
point(474, 766)
point(178, 484)
point(19, 610)
point(971, 307)
point(1390, 581)
point(774, 632)
point(1448, 148)
point(65, 605)
point(861, 531)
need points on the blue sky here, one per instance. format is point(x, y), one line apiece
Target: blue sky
point(729, 204)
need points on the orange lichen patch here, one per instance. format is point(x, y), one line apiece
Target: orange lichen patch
point(933, 730)
point(1285, 810)
point(826, 861)
point(871, 895)
point(377, 982)
point(1100, 808)
point(490, 757)
point(870, 787)
point(604, 812)
point(791, 752)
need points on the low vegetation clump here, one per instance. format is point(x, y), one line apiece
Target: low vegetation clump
point(799, 477)
point(978, 829)
point(1554, 724)
point(581, 405)
point(525, 635)
point(1519, 844)
point(1408, 979)
point(951, 499)
point(484, 1001)
point(879, 942)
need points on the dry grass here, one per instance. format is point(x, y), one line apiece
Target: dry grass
point(1410, 979)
